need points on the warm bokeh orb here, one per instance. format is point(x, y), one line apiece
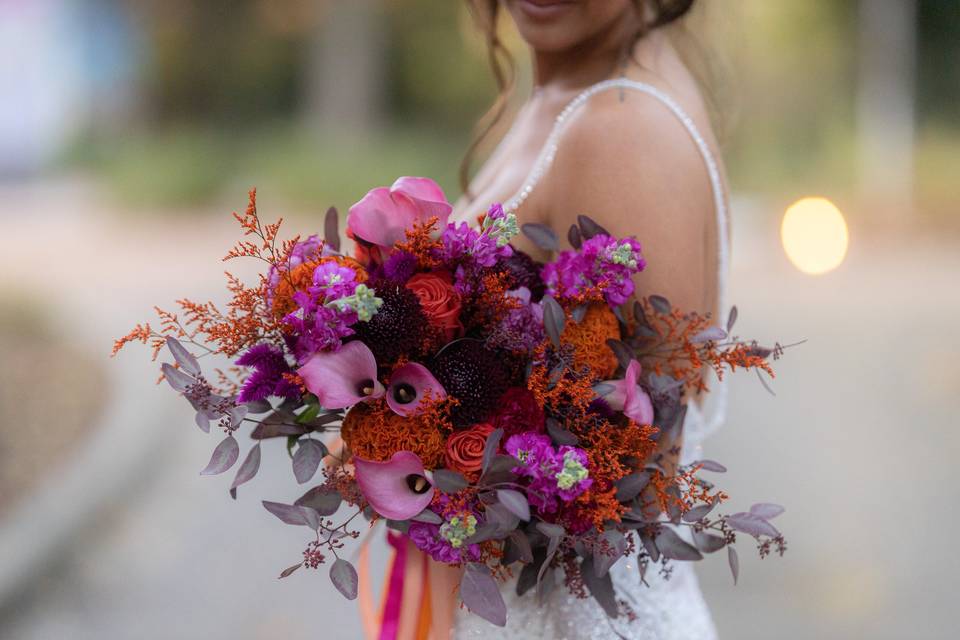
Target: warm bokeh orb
point(814, 235)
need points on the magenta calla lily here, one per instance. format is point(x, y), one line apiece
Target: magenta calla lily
point(342, 378)
point(408, 387)
point(629, 397)
point(384, 214)
point(396, 489)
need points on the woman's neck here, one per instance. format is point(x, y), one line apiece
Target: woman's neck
point(588, 62)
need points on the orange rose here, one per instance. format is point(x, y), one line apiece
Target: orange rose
point(465, 448)
point(439, 300)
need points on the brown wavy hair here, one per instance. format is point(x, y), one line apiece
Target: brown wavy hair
point(485, 15)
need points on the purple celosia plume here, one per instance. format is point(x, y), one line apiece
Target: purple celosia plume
point(267, 379)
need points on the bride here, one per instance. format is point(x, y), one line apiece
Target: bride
point(615, 127)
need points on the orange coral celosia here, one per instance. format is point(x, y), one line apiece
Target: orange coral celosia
point(373, 432)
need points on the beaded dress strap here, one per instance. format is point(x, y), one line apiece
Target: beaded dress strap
point(701, 425)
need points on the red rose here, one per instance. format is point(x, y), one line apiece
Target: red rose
point(465, 448)
point(439, 300)
point(519, 412)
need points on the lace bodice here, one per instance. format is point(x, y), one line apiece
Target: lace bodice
point(671, 609)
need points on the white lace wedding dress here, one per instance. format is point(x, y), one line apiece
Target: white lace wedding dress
point(671, 609)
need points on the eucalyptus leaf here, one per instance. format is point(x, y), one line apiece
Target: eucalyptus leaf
point(247, 470)
point(288, 513)
point(707, 542)
point(601, 588)
point(651, 547)
point(766, 510)
point(311, 518)
point(331, 229)
point(589, 228)
point(673, 547)
point(529, 573)
point(550, 530)
point(629, 487)
point(307, 459)
point(552, 546)
point(344, 578)
point(480, 593)
point(520, 542)
point(542, 236)
point(486, 531)
point(751, 524)
point(428, 517)
point(505, 519)
point(710, 465)
point(258, 407)
point(710, 334)
point(579, 313)
point(660, 304)
point(559, 435)
point(732, 318)
point(734, 560)
point(515, 502)
point(490, 448)
point(177, 379)
point(553, 319)
point(289, 570)
point(186, 360)
point(449, 481)
point(224, 456)
point(698, 512)
point(617, 543)
point(639, 314)
point(574, 237)
point(202, 421)
point(623, 352)
point(322, 499)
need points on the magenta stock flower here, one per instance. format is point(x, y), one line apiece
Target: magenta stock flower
point(629, 397)
point(384, 214)
point(342, 378)
point(603, 263)
point(396, 489)
point(408, 386)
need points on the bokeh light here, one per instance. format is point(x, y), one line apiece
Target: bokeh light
point(814, 235)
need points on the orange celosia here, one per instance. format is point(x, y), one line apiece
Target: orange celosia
point(373, 431)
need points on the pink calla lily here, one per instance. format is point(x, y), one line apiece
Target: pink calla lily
point(408, 386)
point(629, 397)
point(342, 378)
point(384, 214)
point(397, 489)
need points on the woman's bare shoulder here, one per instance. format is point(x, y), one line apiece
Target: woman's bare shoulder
point(628, 162)
point(627, 144)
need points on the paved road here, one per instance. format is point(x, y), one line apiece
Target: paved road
point(858, 445)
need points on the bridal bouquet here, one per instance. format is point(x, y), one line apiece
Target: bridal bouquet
point(508, 417)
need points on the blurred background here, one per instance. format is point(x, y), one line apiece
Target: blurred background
point(129, 129)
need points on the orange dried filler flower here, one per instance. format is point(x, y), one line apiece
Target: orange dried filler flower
point(589, 339)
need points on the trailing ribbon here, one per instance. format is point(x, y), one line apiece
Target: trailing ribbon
point(393, 598)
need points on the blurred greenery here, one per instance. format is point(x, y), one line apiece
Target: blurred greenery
point(227, 90)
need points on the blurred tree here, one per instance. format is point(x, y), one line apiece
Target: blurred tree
point(885, 106)
point(343, 75)
point(224, 61)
